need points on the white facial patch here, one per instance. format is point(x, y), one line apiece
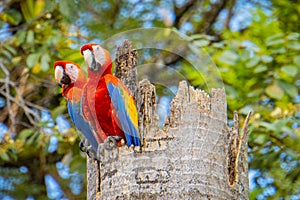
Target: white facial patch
point(87, 54)
point(58, 73)
point(72, 71)
point(99, 54)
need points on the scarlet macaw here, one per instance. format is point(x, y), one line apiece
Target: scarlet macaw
point(73, 79)
point(107, 99)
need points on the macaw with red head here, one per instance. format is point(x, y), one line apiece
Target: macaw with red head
point(107, 99)
point(72, 79)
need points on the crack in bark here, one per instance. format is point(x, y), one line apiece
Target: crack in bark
point(109, 174)
point(168, 138)
point(235, 142)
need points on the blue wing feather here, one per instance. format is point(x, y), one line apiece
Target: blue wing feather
point(121, 106)
point(81, 124)
point(70, 110)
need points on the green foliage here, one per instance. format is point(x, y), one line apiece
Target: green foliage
point(260, 70)
point(259, 65)
point(40, 36)
point(288, 14)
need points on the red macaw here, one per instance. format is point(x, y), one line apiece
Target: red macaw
point(107, 99)
point(73, 80)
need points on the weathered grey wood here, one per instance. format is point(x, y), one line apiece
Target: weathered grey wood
point(195, 155)
point(125, 67)
point(93, 177)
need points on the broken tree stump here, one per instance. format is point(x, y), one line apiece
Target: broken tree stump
point(195, 155)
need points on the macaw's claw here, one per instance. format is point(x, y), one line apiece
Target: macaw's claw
point(111, 142)
point(107, 148)
point(85, 147)
point(81, 145)
point(84, 144)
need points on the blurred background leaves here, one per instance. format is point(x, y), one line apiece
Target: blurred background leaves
point(255, 45)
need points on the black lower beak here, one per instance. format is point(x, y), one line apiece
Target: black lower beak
point(94, 65)
point(65, 79)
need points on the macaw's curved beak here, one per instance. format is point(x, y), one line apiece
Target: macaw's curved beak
point(65, 79)
point(94, 66)
point(89, 58)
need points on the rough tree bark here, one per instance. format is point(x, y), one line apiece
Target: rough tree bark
point(195, 156)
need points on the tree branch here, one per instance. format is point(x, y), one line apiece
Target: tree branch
point(7, 93)
point(32, 116)
point(211, 16)
point(180, 12)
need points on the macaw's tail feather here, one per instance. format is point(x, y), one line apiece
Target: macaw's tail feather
point(126, 111)
point(132, 140)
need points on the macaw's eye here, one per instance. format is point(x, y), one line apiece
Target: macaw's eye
point(72, 71)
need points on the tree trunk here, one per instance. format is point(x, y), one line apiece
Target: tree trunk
point(195, 155)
